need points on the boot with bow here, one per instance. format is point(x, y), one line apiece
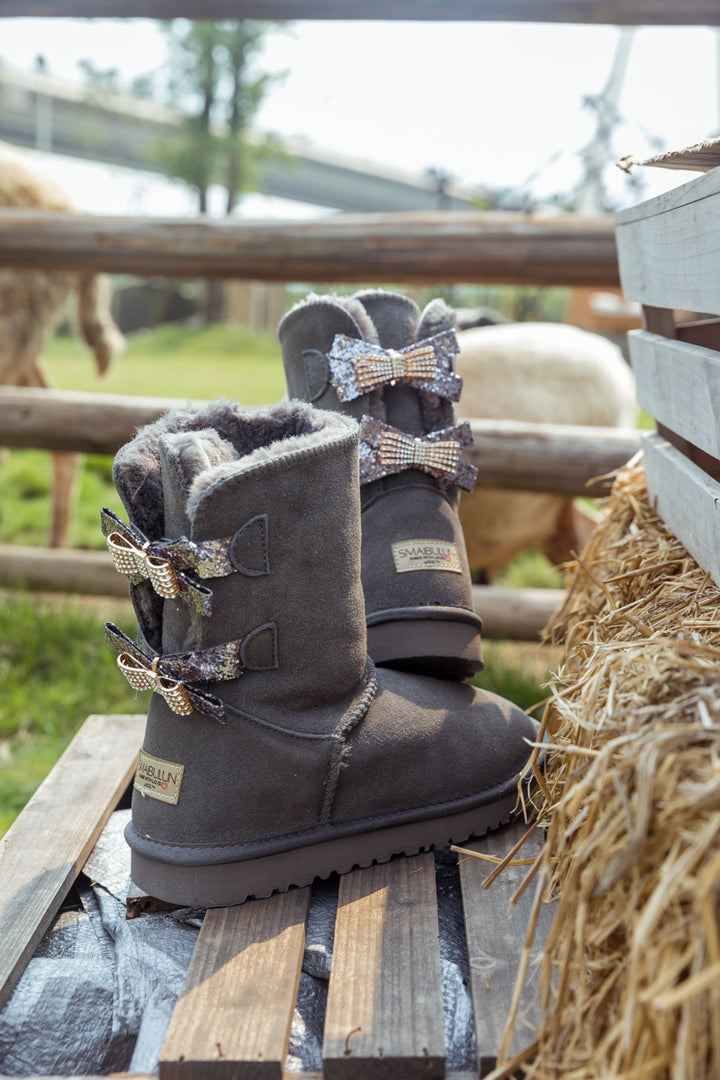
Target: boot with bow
point(274, 751)
point(374, 356)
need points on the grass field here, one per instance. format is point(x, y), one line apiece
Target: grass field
point(54, 668)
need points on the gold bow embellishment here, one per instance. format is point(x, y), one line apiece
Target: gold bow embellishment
point(144, 675)
point(415, 363)
point(173, 567)
point(357, 367)
point(179, 678)
point(384, 451)
point(134, 560)
point(398, 452)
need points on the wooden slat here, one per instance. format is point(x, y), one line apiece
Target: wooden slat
point(235, 1009)
point(669, 247)
point(530, 457)
point(496, 937)
point(688, 501)
point(413, 247)
point(640, 12)
point(384, 1012)
point(679, 385)
point(45, 848)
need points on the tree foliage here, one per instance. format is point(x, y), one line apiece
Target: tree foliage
point(213, 81)
point(211, 78)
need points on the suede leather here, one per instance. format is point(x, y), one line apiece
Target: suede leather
point(315, 739)
point(411, 505)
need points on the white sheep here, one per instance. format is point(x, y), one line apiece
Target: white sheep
point(538, 373)
point(31, 303)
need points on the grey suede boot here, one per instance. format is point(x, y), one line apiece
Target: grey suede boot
point(274, 751)
point(375, 357)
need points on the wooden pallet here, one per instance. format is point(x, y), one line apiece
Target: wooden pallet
point(384, 1012)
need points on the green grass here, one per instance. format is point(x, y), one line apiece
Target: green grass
point(54, 667)
point(180, 362)
point(54, 671)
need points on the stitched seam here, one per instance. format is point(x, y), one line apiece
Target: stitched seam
point(341, 748)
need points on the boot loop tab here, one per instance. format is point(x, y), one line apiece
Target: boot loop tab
point(248, 547)
point(178, 677)
point(358, 367)
point(385, 450)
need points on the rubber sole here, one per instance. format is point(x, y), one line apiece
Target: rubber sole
point(443, 648)
point(225, 884)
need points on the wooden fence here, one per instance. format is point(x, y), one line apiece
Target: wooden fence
point(404, 248)
point(531, 457)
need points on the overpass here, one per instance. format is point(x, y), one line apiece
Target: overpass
point(53, 115)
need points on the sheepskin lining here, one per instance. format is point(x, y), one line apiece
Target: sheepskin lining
point(137, 472)
point(325, 428)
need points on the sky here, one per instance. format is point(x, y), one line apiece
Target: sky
point(490, 104)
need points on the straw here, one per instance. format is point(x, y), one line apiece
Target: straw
point(630, 973)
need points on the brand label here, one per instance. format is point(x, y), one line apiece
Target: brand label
point(158, 779)
point(425, 555)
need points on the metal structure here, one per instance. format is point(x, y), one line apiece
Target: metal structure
point(56, 116)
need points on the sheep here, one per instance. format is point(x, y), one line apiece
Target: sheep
point(539, 373)
point(31, 303)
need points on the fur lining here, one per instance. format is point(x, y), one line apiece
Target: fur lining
point(193, 452)
point(436, 317)
point(306, 429)
point(136, 469)
point(209, 445)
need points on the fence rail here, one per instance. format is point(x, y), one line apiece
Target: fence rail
point(424, 247)
point(637, 13)
point(530, 457)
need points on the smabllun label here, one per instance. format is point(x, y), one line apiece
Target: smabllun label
point(158, 779)
point(425, 555)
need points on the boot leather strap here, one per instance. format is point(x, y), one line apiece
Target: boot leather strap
point(358, 367)
point(174, 566)
point(385, 450)
point(180, 677)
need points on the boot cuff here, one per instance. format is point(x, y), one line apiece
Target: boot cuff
point(242, 440)
point(350, 304)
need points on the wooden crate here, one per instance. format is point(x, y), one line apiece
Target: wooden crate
point(669, 257)
point(385, 1010)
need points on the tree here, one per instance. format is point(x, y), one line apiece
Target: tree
point(212, 82)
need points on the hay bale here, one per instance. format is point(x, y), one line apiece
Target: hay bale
point(630, 976)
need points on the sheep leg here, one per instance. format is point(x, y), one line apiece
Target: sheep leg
point(66, 466)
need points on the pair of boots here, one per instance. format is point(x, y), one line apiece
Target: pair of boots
point(275, 750)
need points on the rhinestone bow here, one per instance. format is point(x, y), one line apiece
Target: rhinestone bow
point(357, 367)
point(384, 451)
point(138, 562)
point(178, 677)
point(171, 566)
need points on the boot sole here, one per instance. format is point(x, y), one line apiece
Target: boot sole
point(224, 884)
point(443, 648)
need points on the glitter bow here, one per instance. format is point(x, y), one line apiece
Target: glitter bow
point(171, 566)
point(384, 451)
point(178, 677)
point(357, 367)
